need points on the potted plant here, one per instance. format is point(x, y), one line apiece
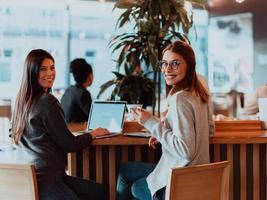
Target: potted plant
point(134, 87)
point(156, 24)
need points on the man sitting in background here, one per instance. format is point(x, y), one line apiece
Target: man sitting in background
point(251, 106)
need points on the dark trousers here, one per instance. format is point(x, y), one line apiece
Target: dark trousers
point(73, 188)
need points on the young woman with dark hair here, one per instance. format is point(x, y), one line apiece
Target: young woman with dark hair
point(76, 101)
point(183, 133)
point(39, 128)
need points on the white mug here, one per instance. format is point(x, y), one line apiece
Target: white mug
point(131, 106)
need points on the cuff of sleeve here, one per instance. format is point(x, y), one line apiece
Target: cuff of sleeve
point(150, 123)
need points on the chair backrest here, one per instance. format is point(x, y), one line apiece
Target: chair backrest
point(207, 181)
point(18, 181)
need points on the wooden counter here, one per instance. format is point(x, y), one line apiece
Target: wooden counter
point(246, 150)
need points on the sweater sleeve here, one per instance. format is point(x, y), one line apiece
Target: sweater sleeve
point(181, 139)
point(251, 105)
point(53, 120)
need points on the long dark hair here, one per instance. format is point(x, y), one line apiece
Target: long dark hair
point(190, 82)
point(28, 91)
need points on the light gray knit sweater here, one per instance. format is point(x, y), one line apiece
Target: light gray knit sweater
point(183, 134)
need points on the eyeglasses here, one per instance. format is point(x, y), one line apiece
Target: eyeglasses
point(173, 64)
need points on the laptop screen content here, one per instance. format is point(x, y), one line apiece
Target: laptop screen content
point(107, 114)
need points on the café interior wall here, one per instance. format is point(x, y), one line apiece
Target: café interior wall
point(259, 11)
point(228, 7)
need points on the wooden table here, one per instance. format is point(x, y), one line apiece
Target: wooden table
point(101, 161)
point(246, 150)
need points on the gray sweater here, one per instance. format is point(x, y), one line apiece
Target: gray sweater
point(46, 139)
point(183, 134)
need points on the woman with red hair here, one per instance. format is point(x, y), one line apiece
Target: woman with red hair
point(183, 133)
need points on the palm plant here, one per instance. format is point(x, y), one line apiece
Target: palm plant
point(135, 88)
point(156, 24)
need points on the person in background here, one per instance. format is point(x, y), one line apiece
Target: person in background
point(76, 101)
point(183, 133)
point(251, 106)
point(40, 130)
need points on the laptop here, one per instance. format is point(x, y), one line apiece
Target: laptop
point(107, 114)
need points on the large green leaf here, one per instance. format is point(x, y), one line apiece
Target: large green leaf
point(165, 8)
point(120, 39)
point(122, 58)
point(125, 17)
point(200, 3)
point(147, 74)
point(118, 75)
point(127, 69)
point(155, 9)
point(179, 3)
point(180, 36)
point(152, 39)
point(153, 54)
point(183, 18)
point(122, 44)
point(104, 87)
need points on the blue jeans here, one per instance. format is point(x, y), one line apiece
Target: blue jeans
point(73, 188)
point(131, 183)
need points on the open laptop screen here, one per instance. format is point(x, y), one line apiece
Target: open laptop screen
point(107, 114)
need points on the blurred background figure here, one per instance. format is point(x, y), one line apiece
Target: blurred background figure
point(76, 101)
point(251, 106)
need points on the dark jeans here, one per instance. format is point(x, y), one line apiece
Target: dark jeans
point(131, 183)
point(73, 188)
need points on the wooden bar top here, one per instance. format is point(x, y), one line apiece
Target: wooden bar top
point(240, 137)
point(116, 140)
point(239, 131)
point(226, 137)
point(238, 125)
